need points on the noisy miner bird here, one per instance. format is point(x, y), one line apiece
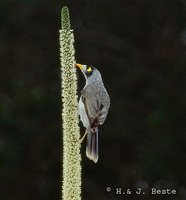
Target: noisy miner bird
point(94, 105)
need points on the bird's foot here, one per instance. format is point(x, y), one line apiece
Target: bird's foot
point(81, 140)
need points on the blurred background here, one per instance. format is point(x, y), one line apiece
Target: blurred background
point(140, 48)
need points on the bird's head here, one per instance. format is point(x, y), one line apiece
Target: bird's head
point(89, 71)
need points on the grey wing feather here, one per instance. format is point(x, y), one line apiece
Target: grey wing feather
point(91, 102)
point(92, 105)
point(103, 115)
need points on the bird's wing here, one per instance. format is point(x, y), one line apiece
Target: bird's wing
point(103, 114)
point(91, 102)
point(95, 110)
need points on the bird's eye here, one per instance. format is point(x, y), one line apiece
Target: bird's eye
point(89, 69)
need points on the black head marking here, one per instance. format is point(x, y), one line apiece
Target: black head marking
point(89, 70)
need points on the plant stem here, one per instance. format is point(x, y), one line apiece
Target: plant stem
point(71, 184)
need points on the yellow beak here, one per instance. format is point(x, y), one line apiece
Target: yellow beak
point(79, 65)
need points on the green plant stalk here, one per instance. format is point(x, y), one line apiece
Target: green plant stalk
point(71, 180)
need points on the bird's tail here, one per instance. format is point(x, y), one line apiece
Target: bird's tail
point(92, 145)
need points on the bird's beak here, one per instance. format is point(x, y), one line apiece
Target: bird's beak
point(79, 65)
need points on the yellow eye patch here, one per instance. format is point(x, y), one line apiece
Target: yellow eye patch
point(89, 69)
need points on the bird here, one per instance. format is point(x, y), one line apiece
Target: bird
point(93, 107)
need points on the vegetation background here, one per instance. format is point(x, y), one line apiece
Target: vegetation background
point(140, 48)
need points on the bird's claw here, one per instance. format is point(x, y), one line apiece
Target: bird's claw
point(81, 140)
